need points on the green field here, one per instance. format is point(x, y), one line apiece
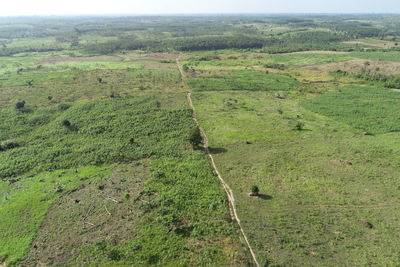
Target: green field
point(102, 162)
point(244, 80)
point(317, 182)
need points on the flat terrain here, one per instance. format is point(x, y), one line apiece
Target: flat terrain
point(101, 163)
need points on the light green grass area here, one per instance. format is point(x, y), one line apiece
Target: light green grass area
point(43, 87)
point(379, 56)
point(296, 60)
point(10, 65)
point(371, 109)
point(99, 65)
point(38, 43)
point(244, 80)
point(24, 204)
point(38, 78)
point(316, 183)
point(223, 64)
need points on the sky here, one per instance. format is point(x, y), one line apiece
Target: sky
point(102, 7)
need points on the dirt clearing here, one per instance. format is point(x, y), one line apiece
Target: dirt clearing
point(101, 211)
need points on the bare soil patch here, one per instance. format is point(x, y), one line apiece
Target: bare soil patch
point(103, 210)
point(354, 66)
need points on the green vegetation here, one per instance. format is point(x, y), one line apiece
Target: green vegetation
point(101, 162)
point(195, 137)
point(320, 181)
point(244, 80)
point(24, 204)
point(255, 190)
point(123, 129)
point(370, 109)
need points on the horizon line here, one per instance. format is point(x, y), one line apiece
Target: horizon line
point(196, 14)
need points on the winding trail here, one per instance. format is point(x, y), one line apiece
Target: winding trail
point(228, 190)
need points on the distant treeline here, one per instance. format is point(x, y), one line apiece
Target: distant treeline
point(194, 33)
point(284, 43)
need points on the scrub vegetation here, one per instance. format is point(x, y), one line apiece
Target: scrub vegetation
point(102, 162)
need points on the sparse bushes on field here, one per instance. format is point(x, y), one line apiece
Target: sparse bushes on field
point(99, 133)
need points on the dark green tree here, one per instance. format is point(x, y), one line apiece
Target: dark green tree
point(195, 137)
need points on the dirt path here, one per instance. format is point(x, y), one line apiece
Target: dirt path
point(228, 190)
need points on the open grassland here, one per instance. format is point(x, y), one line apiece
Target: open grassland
point(108, 178)
point(98, 166)
point(296, 60)
point(316, 183)
point(243, 80)
point(49, 87)
point(370, 109)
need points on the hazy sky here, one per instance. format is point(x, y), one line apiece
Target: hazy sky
point(57, 7)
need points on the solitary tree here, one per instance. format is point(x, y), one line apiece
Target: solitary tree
point(195, 137)
point(20, 104)
point(255, 190)
point(299, 126)
point(66, 123)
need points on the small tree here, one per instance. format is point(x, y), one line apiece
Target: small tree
point(66, 123)
point(195, 138)
point(255, 190)
point(299, 126)
point(20, 104)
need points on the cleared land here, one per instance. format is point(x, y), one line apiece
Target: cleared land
point(101, 163)
point(318, 184)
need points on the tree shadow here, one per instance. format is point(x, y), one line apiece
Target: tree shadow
point(217, 150)
point(264, 196)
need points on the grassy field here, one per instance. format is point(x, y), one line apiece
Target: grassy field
point(98, 165)
point(136, 193)
point(316, 183)
point(244, 80)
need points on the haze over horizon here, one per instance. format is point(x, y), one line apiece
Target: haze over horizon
point(136, 7)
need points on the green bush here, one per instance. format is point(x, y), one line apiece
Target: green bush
point(255, 190)
point(299, 126)
point(195, 137)
point(20, 105)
